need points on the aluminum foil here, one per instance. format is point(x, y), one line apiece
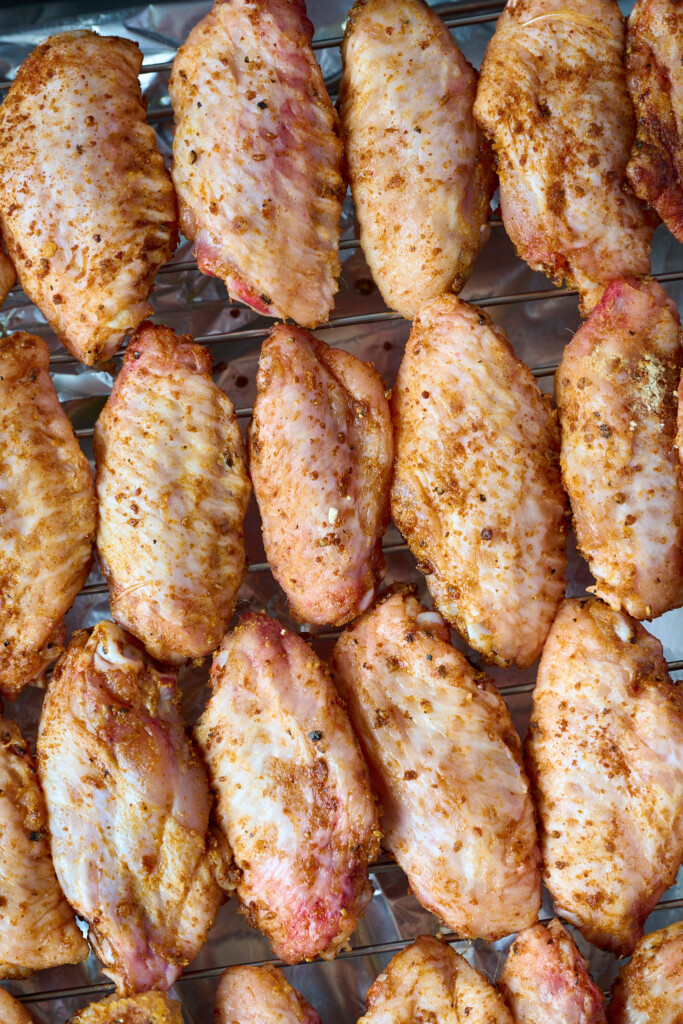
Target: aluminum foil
point(189, 302)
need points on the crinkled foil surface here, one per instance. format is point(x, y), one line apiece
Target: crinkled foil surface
point(539, 320)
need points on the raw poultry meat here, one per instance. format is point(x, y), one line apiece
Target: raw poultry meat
point(654, 58)
point(148, 1008)
point(293, 798)
point(7, 275)
point(546, 980)
point(11, 1011)
point(477, 490)
point(173, 490)
point(257, 158)
point(320, 447)
point(128, 804)
point(87, 207)
point(650, 986)
point(47, 514)
point(37, 925)
point(616, 391)
point(428, 981)
point(421, 171)
point(260, 995)
point(605, 759)
point(446, 765)
point(553, 98)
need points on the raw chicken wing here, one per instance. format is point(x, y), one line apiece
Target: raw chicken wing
point(605, 758)
point(7, 275)
point(47, 514)
point(617, 396)
point(148, 1008)
point(552, 97)
point(128, 803)
point(428, 981)
point(546, 980)
point(649, 989)
point(86, 204)
point(446, 764)
point(421, 171)
point(260, 995)
point(293, 798)
point(257, 158)
point(477, 490)
point(320, 450)
point(37, 925)
point(654, 72)
point(11, 1011)
point(173, 490)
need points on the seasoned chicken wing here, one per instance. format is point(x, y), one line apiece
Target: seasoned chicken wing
point(546, 980)
point(429, 981)
point(477, 490)
point(552, 97)
point(260, 995)
point(47, 514)
point(148, 1008)
point(257, 158)
point(320, 453)
point(128, 804)
point(605, 758)
point(293, 798)
point(7, 275)
point(421, 171)
point(616, 392)
point(654, 55)
point(87, 207)
point(650, 986)
point(173, 490)
point(11, 1011)
point(446, 764)
point(37, 925)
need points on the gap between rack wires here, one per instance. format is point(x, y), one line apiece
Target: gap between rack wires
point(202, 973)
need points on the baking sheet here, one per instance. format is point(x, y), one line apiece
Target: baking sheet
point(538, 326)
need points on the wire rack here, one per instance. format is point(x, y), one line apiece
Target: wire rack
point(539, 319)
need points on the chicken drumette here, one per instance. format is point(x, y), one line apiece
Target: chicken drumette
point(553, 98)
point(605, 759)
point(293, 797)
point(47, 514)
point(148, 1008)
point(445, 762)
point(421, 171)
point(257, 158)
point(128, 805)
point(86, 204)
point(173, 490)
point(320, 449)
point(260, 995)
point(649, 989)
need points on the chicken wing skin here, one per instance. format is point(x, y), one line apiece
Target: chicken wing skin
point(446, 764)
point(87, 206)
point(173, 490)
point(650, 986)
point(128, 804)
point(616, 391)
point(421, 171)
point(546, 980)
point(477, 490)
point(605, 759)
point(37, 926)
point(553, 98)
point(654, 53)
point(320, 453)
point(148, 1008)
point(259, 995)
point(8, 275)
point(47, 514)
point(429, 981)
point(257, 158)
point(293, 798)
point(11, 1011)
